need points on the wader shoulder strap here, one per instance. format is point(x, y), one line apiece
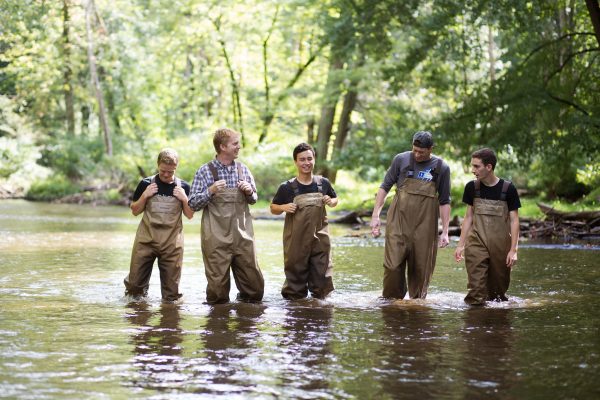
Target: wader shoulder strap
point(505, 186)
point(319, 180)
point(411, 168)
point(213, 171)
point(177, 182)
point(477, 188)
point(294, 184)
point(153, 179)
point(240, 171)
point(437, 170)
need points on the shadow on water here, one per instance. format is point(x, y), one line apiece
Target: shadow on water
point(308, 348)
point(488, 365)
point(156, 340)
point(229, 338)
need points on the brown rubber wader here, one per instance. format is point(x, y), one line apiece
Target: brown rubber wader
point(411, 238)
point(486, 249)
point(307, 248)
point(159, 235)
point(227, 239)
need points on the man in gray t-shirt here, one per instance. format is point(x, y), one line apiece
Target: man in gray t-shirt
point(422, 196)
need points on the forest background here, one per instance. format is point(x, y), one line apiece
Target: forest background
point(91, 90)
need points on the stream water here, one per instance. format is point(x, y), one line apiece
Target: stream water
point(67, 331)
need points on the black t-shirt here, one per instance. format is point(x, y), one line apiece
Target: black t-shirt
point(285, 193)
point(164, 189)
point(492, 193)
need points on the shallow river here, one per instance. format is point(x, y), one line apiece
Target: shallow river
point(67, 332)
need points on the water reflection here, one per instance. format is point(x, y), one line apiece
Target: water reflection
point(157, 345)
point(409, 354)
point(307, 346)
point(488, 366)
point(230, 339)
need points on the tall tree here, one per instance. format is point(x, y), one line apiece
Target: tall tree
point(102, 115)
point(67, 70)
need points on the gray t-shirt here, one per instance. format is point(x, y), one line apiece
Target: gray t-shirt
point(398, 171)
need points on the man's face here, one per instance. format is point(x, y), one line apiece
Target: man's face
point(421, 153)
point(479, 170)
point(166, 172)
point(305, 162)
point(232, 148)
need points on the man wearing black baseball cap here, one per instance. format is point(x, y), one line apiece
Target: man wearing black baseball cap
point(422, 196)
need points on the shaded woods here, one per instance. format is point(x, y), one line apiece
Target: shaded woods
point(90, 89)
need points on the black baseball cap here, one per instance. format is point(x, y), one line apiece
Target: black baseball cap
point(423, 139)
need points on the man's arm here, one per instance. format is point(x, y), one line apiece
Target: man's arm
point(180, 195)
point(248, 186)
point(278, 209)
point(375, 221)
point(445, 216)
point(464, 233)
point(511, 257)
point(199, 192)
point(138, 206)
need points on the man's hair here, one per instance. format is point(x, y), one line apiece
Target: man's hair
point(423, 139)
point(168, 156)
point(487, 156)
point(222, 136)
point(302, 147)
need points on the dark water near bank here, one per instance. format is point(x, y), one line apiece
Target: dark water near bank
point(67, 332)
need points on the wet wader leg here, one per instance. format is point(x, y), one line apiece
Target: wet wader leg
point(421, 263)
point(216, 268)
point(396, 253)
point(140, 270)
point(169, 266)
point(498, 278)
point(248, 277)
point(296, 275)
point(477, 263)
point(320, 282)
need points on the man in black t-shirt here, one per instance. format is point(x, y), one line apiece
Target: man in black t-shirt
point(490, 231)
point(306, 245)
point(162, 198)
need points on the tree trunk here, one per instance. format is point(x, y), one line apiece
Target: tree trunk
point(67, 71)
point(491, 55)
point(330, 99)
point(594, 10)
point(343, 129)
point(310, 131)
point(235, 88)
point(95, 80)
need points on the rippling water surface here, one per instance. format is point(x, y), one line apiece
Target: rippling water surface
point(67, 331)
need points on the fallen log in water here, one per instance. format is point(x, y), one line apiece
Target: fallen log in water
point(561, 224)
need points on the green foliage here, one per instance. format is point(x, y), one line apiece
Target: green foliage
point(76, 159)
point(520, 77)
point(52, 188)
point(589, 174)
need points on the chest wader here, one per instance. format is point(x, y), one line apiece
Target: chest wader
point(159, 235)
point(227, 241)
point(486, 249)
point(306, 246)
point(411, 237)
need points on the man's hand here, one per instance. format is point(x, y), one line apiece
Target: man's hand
point(375, 227)
point(459, 253)
point(179, 194)
point(217, 186)
point(151, 190)
point(511, 259)
point(444, 241)
point(289, 208)
point(245, 187)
